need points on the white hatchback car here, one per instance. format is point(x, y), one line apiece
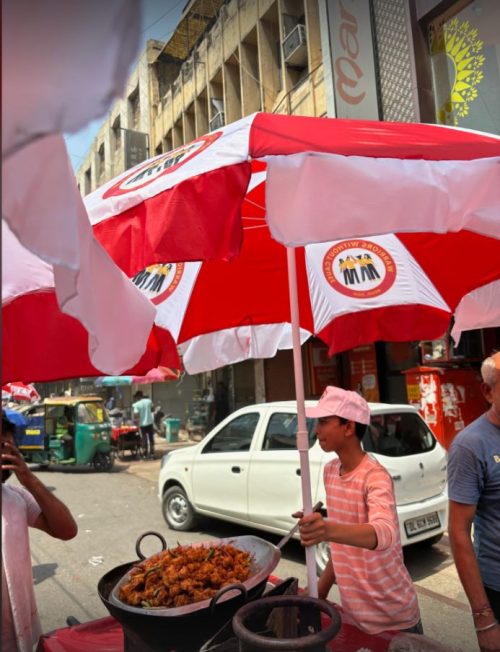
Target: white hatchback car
point(246, 471)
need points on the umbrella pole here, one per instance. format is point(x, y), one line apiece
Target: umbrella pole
point(302, 437)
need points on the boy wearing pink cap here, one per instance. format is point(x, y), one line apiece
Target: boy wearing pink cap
point(366, 562)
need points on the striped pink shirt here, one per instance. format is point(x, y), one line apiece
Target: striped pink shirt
point(375, 588)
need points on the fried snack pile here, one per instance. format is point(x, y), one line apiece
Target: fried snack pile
point(184, 575)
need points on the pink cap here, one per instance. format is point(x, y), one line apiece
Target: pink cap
point(336, 402)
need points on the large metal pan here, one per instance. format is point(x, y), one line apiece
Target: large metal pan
point(265, 557)
point(186, 628)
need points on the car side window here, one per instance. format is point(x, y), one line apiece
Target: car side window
point(235, 436)
point(281, 432)
point(397, 435)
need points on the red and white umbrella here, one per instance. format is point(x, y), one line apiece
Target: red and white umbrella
point(367, 178)
point(157, 375)
point(359, 181)
point(63, 63)
point(20, 392)
point(396, 288)
point(40, 343)
point(401, 286)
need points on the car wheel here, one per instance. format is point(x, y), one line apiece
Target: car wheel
point(177, 510)
point(322, 556)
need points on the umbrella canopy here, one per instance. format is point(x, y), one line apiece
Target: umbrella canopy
point(18, 391)
point(402, 286)
point(41, 343)
point(388, 178)
point(418, 178)
point(157, 375)
point(391, 287)
point(62, 66)
point(113, 381)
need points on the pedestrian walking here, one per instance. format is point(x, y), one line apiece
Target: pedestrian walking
point(143, 412)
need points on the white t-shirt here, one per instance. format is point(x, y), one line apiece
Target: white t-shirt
point(20, 622)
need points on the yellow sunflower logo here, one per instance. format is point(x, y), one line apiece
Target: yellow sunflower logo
point(461, 45)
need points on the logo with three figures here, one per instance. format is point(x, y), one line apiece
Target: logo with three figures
point(359, 268)
point(158, 282)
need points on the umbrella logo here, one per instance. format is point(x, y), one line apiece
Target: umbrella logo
point(144, 174)
point(359, 268)
point(158, 282)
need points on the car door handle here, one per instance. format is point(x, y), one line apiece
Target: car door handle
point(235, 469)
point(396, 477)
point(297, 471)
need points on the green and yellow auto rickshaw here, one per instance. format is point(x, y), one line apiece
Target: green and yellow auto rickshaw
point(67, 430)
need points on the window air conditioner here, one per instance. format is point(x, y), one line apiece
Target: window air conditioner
point(217, 121)
point(295, 47)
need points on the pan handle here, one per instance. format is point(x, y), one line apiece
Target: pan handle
point(147, 534)
point(225, 589)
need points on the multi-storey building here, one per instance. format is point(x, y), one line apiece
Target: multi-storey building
point(123, 139)
point(398, 60)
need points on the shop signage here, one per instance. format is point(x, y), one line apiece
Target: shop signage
point(352, 59)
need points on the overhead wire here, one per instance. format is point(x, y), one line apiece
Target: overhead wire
point(162, 16)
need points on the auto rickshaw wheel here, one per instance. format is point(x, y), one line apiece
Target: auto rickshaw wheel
point(103, 461)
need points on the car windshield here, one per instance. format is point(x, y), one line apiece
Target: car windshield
point(398, 434)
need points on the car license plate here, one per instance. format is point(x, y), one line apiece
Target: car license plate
point(421, 524)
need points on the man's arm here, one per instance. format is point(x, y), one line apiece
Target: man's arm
point(55, 517)
point(461, 517)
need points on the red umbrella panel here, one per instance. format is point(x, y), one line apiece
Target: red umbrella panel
point(18, 391)
point(351, 292)
point(55, 346)
point(157, 375)
point(42, 343)
point(387, 177)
